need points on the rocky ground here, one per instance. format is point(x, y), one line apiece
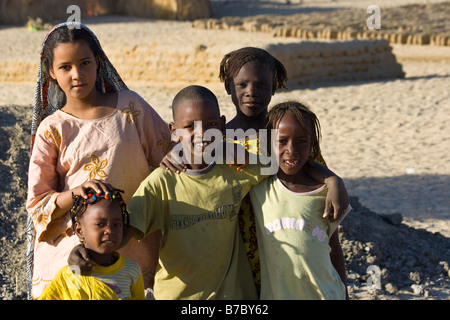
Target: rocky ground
point(14, 157)
point(386, 259)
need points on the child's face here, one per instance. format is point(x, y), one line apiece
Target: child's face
point(252, 89)
point(195, 117)
point(292, 145)
point(101, 227)
point(74, 68)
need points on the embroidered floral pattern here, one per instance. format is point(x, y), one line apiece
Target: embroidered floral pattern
point(41, 215)
point(130, 112)
point(165, 143)
point(54, 134)
point(95, 167)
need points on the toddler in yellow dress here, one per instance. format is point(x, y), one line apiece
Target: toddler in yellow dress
point(98, 223)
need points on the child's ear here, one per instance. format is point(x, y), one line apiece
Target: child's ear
point(78, 230)
point(52, 74)
point(228, 84)
point(173, 135)
point(223, 122)
point(172, 127)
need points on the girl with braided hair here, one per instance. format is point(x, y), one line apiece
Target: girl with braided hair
point(98, 221)
point(256, 70)
point(300, 254)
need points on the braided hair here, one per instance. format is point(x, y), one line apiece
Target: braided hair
point(304, 116)
point(233, 62)
point(79, 204)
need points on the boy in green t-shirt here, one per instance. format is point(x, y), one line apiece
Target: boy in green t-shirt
point(202, 255)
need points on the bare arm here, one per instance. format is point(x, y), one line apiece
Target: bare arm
point(64, 200)
point(337, 259)
point(337, 198)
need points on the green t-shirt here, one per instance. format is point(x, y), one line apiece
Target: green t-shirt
point(202, 255)
point(293, 243)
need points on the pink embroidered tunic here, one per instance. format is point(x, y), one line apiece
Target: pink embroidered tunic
point(119, 149)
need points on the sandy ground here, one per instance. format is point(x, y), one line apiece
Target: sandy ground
point(388, 140)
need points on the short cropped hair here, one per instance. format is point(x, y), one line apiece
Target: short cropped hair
point(194, 92)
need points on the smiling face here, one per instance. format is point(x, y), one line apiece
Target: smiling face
point(193, 118)
point(251, 89)
point(74, 67)
point(292, 146)
point(101, 229)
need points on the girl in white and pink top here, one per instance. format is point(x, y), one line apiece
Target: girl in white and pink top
point(88, 131)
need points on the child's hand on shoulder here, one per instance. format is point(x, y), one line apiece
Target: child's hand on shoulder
point(337, 200)
point(79, 262)
point(170, 163)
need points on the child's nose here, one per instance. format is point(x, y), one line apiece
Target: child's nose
point(108, 229)
point(291, 147)
point(251, 89)
point(76, 73)
point(198, 129)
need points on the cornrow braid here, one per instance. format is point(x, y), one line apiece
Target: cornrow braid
point(304, 116)
point(233, 62)
point(79, 204)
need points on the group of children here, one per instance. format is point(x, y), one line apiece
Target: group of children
point(206, 230)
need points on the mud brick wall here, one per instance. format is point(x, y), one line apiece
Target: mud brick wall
point(306, 61)
point(417, 24)
point(355, 60)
